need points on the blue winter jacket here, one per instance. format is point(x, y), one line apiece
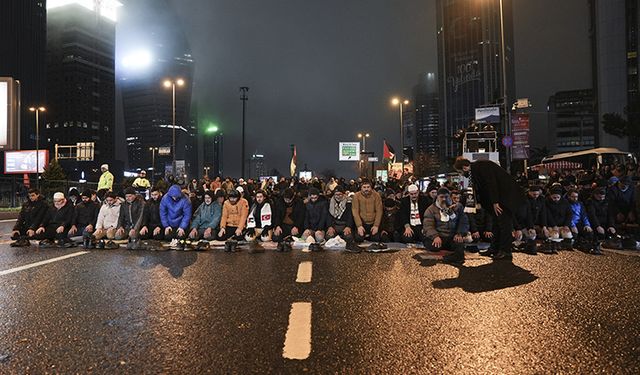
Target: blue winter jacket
point(175, 209)
point(207, 216)
point(579, 216)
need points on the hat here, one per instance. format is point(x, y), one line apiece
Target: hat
point(129, 190)
point(74, 192)
point(105, 166)
point(86, 193)
point(535, 188)
point(240, 189)
point(58, 196)
point(412, 188)
point(314, 191)
point(557, 191)
point(443, 191)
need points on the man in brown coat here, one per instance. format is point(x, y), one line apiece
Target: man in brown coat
point(367, 213)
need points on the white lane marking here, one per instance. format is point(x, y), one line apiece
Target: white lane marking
point(297, 343)
point(8, 220)
point(42, 263)
point(305, 269)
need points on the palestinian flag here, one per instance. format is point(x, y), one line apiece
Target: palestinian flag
point(294, 162)
point(388, 152)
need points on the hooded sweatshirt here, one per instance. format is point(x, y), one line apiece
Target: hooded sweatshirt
point(207, 216)
point(175, 209)
point(109, 215)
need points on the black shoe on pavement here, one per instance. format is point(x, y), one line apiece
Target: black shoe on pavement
point(230, 246)
point(377, 246)
point(284, 247)
point(22, 242)
point(353, 247)
point(530, 248)
point(100, 245)
point(45, 244)
point(315, 247)
point(110, 245)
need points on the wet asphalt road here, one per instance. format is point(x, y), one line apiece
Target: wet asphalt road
point(168, 312)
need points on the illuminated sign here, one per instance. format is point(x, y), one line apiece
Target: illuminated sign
point(106, 8)
point(18, 162)
point(349, 151)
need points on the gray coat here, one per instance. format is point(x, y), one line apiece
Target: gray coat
point(433, 226)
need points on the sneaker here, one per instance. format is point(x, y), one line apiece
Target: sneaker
point(202, 246)
point(230, 246)
point(100, 245)
point(67, 243)
point(353, 247)
point(531, 248)
point(22, 242)
point(133, 244)
point(174, 243)
point(182, 246)
point(45, 244)
point(284, 247)
point(315, 247)
point(377, 246)
point(111, 245)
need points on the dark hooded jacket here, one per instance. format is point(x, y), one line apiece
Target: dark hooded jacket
point(131, 214)
point(86, 214)
point(316, 214)
point(31, 215)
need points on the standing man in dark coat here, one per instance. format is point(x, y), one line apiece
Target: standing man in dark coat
point(499, 194)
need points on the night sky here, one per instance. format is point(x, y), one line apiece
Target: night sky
point(321, 71)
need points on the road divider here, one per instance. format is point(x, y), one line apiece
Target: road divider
point(41, 263)
point(305, 269)
point(297, 343)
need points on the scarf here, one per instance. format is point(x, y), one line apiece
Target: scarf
point(446, 213)
point(336, 209)
point(263, 220)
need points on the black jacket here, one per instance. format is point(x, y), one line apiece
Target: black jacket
point(151, 214)
point(480, 221)
point(600, 213)
point(297, 215)
point(345, 220)
point(31, 215)
point(402, 216)
point(60, 217)
point(493, 184)
point(522, 218)
point(131, 214)
point(315, 217)
point(538, 210)
point(558, 214)
point(85, 214)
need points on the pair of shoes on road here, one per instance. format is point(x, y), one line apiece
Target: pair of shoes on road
point(377, 247)
point(353, 247)
point(46, 244)
point(502, 255)
point(88, 243)
point(21, 242)
point(110, 245)
point(230, 246)
point(315, 247)
point(284, 247)
point(202, 246)
point(133, 244)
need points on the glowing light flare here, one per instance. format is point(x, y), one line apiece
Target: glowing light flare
point(137, 60)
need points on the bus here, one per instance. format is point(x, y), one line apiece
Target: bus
point(588, 159)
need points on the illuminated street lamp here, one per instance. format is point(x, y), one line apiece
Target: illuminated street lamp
point(401, 103)
point(364, 137)
point(37, 111)
point(172, 84)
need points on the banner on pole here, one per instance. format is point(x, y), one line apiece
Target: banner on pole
point(520, 133)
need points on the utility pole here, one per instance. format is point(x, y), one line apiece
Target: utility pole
point(244, 99)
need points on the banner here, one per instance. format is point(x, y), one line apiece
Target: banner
point(520, 135)
point(490, 115)
point(349, 151)
point(4, 113)
point(19, 162)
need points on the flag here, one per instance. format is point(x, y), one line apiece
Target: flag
point(294, 161)
point(388, 151)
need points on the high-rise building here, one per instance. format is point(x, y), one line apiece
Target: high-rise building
point(23, 38)
point(149, 53)
point(470, 69)
point(409, 131)
point(257, 167)
point(572, 119)
point(428, 145)
point(212, 153)
point(81, 75)
point(615, 37)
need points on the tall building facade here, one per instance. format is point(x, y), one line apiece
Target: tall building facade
point(573, 120)
point(149, 53)
point(427, 123)
point(212, 153)
point(615, 37)
point(81, 77)
point(23, 38)
point(257, 166)
point(470, 69)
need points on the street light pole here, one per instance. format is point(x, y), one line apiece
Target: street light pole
point(244, 99)
point(37, 111)
point(507, 111)
point(400, 104)
point(173, 84)
point(153, 163)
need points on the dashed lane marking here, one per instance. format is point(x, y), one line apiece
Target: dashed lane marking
point(297, 343)
point(41, 263)
point(305, 270)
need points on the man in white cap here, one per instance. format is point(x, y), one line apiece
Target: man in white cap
point(411, 214)
point(105, 183)
point(56, 223)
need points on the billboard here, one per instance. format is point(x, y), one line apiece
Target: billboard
point(9, 114)
point(4, 113)
point(490, 115)
point(520, 134)
point(19, 162)
point(349, 151)
point(164, 151)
